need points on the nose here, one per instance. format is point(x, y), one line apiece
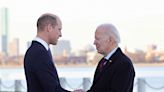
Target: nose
point(60, 34)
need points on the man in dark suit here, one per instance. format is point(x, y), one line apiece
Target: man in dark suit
point(115, 71)
point(40, 71)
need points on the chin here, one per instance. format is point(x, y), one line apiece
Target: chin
point(100, 52)
point(54, 43)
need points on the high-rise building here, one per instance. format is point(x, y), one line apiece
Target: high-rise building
point(4, 30)
point(63, 47)
point(14, 48)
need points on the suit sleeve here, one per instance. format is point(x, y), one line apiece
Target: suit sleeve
point(47, 74)
point(123, 79)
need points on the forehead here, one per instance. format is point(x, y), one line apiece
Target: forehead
point(59, 23)
point(100, 32)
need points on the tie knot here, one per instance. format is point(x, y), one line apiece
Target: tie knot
point(104, 60)
point(102, 63)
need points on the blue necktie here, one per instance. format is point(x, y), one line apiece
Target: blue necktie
point(49, 52)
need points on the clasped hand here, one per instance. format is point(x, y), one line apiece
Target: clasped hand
point(78, 90)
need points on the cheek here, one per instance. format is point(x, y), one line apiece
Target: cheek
point(52, 36)
point(55, 34)
point(102, 44)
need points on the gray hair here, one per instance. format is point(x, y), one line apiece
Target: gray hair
point(110, 30)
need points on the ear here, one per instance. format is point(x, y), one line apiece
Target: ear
point(49, 27)
point(111, 40)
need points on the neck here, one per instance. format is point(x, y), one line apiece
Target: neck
point(43, 37)
point(110, 49)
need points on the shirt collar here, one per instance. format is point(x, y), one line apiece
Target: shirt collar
point(38, 39)
point(111, 53)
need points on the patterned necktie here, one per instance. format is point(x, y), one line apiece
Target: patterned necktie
point(102, 63)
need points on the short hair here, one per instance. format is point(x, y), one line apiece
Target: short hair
point(45, 20)
point(111, 31)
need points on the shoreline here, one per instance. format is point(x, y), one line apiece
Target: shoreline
point(149, 64)
point(84, 65)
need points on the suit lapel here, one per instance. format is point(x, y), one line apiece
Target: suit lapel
point(107, 66)
point(99, 73)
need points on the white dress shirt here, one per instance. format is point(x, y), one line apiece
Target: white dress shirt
point(111, 53)
point(38, 39)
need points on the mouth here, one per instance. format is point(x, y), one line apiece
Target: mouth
point(97, 46)
point(57, 38)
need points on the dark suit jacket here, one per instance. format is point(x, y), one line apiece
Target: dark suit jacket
point(116, 76)
point(41, 74)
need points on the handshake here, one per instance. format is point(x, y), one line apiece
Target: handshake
point(78, 90)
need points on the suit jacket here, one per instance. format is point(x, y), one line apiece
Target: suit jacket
point(41, 74)
point(116, 76)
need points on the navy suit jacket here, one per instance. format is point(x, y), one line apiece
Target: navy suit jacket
point(41, 74)
point(116, 76)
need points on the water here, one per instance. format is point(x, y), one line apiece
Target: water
point(154, 77)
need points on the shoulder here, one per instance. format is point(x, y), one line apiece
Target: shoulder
point(36, 55)
point(123, 61)
point(36, 47)
point(36, 51)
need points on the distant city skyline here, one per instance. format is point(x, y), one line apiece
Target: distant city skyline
point(4, 30)
point(140, 22)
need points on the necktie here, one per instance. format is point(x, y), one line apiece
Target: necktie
point(49, 52)
point(102, 63)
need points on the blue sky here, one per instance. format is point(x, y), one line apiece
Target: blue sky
point(140, 22)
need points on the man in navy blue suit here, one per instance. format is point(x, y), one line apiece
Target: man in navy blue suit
point(115, 71)
point(40, 71)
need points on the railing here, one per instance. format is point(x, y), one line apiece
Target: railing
point(142, 83)
point(17, 86)
point(85, 85)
